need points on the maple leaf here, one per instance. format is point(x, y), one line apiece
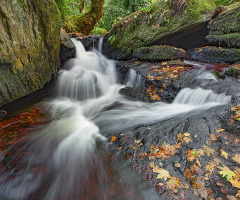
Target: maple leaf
point(188, 174)
point(236, 158)
point(187, 134)
point(224, 153)
point(226, 172)
point(190, 155)
point(151, 164)
point(163, 174)
point(209, 151)
point(200, 152)
point(238, 194)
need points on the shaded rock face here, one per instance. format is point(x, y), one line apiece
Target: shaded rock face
point(145, 28)
point(29, 46)
point(67, 47)
point(158, 53)
point(90, 42)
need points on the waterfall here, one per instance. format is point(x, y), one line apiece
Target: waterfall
point(89, 109)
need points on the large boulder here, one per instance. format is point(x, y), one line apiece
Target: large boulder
point(145, 27)
point(224, 30)
point(29, 46)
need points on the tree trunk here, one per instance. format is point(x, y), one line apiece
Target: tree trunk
point(86, 22)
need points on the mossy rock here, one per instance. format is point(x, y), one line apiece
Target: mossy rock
point(224, 30)
point(146, 26)
point(234, 71)
point(214, 55)
point(158, 53)
point(29, 46)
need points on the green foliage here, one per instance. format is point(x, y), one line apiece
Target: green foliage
point(99, 31)
point(111, 39)
point(115, 10)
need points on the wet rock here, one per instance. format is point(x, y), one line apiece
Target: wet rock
point(234, 71)
point(90, 42)
point(67, 48)
point(214, 55)
point(158, 53)
point(145, 28)
point(29, 46)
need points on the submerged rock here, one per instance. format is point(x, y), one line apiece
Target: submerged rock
point(146, 26)
point(158, 53)
point(29, 46)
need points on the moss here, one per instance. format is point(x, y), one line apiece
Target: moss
point(143, 28)
point(227, 22)
point(233, 71)
point(158, 53)
point(230, 40)
point(22, 4)
point(215, 55)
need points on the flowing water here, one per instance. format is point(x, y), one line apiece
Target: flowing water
point(70, 150)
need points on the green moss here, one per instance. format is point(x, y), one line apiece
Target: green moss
point(231, 39)
point(158, 53)
point(142, 28)
point(22, 4)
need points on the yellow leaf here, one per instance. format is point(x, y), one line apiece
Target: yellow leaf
point(173, 183)
point(224, 153)
point(177, 165)
point(187, 134)
point(163, 174)
point(137, 141)
point(151, 164)
point(119, 148)
point(187, 139)
point(220, 130)
point(236, 158)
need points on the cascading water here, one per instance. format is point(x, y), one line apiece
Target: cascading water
point(88, 109)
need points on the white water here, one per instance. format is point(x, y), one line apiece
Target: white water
point(88, 109)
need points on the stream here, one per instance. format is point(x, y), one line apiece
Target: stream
point(67, 158)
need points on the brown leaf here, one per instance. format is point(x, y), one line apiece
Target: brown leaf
point(188, 174)
point(194, 169)
point(187, 139)
point(173, 183)
point(209, 151)
point(220, 130)
point(213, 137)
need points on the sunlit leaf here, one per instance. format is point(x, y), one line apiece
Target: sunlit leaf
point(113, 138)
point(226, 172)
point(224, 153)
point(209, 151)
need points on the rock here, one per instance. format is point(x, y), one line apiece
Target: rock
point(145, 27)
point(214, 55)
point(233, 71)
point(224, 29)
point(219, 10)
point(29, 46)
point(3, 113)
point(67, 47)
point(90, 42)
point(158, 53)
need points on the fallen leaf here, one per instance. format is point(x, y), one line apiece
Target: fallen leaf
point(224, 153)
point(220, 130)
point(213, 137)
point(187, 139)
point(151, 164)
point(209, 151)
point(173, 183)
point(236, 158)
point(177, 165)
point(113, 139)
point(119, 148)
point(163, 174)
point(226, 172)
point(194, 169)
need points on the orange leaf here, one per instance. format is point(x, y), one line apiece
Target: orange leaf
point(113, 139)
point(213, 137)
point(236, 158)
